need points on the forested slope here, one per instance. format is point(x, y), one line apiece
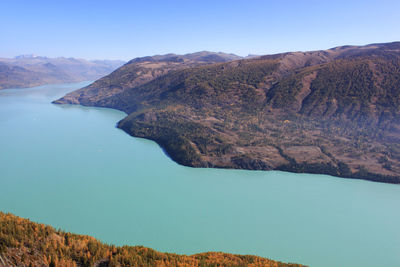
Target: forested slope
point(24, 243)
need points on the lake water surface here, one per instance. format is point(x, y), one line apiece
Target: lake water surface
point(68, 166)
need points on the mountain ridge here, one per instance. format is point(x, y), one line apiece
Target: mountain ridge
point(142, 70)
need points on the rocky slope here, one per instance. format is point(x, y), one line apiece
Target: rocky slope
point(24, 243)
point(333, 112)
point(140, 71)
point(29, 71)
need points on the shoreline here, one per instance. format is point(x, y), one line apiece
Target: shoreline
point(292, 168)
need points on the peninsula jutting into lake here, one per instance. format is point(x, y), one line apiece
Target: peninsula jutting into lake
point(332, 111)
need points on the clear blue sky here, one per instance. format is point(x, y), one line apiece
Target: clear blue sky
point(126, 29)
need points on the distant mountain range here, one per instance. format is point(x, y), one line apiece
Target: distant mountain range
point(332, 111)
point(29, 70)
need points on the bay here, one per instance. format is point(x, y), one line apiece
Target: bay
point(68, 166)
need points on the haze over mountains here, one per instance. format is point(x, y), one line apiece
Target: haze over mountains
point(29, 70)
point(332, 111)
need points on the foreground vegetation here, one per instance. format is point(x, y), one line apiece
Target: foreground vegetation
point(24, 243)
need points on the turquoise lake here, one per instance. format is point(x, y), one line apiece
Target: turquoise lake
point(68, 166)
